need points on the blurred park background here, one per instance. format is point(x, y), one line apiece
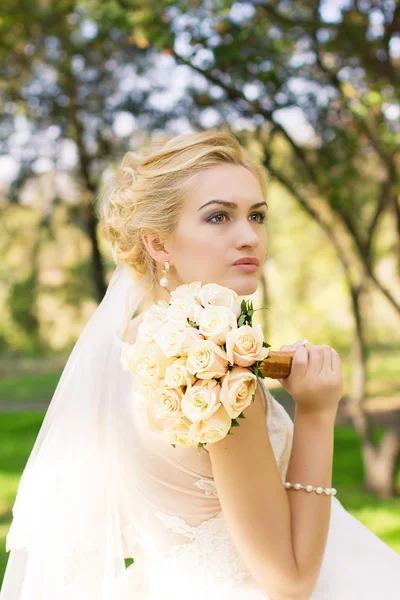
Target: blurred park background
point(312, 89)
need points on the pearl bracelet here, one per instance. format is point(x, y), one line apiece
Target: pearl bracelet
point(310, 488)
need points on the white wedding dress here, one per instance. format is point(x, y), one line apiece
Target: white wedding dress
point(184, 549)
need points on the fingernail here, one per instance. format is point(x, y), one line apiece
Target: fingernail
point(301, 342)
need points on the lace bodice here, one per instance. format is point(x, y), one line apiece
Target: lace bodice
point(185, 536)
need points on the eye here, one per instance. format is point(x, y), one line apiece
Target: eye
point(261, 217)
point(210, 220)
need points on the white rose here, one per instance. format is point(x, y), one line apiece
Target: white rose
point(177, 374)
point(206, 360)
point(150, 365)
point(131, 353)
point(218, 295)
point(216, 322)
point(237, 389)
point(244, 345)
point(144, 391)
point(183, 308)
point(186, 290)
point(201, 400)
point(212, 430)
point(153, 319)
point(170, 337)
point(192, 335)
point(128, 355)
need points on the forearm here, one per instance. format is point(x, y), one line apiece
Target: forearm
point(310, 463)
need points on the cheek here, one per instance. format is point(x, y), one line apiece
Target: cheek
point(200, 239)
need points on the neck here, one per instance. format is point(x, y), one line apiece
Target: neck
point(161, 293)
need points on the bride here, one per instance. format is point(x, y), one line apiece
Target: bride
point(225, 523)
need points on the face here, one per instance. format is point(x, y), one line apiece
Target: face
point(211, 236)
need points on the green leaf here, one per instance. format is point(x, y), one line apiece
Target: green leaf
point(200, 445)
point(235, 423)
point(128, 562)
point(173, 445)
point(192, 323)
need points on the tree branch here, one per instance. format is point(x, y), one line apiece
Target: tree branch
point(253, 107)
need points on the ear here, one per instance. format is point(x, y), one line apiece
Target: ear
point(155, 247)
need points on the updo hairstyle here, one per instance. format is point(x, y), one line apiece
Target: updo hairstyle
point(148, 192)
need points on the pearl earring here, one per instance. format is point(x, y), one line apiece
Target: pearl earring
point(164, 280)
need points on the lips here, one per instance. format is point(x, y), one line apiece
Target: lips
point(247, 261)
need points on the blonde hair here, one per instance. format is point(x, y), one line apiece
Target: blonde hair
point(148, 192)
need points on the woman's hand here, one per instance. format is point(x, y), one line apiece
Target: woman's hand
point(315, 381)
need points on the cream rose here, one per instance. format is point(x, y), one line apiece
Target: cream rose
point(216, 322)
point(177, 374)
point(218, 295)
point(206, 360)
point(170, 337)
point(212, 430)
point(237, 389)
point(178, 432)
point(165, 404)
point(201, 400)
point(244, 345)
point(150, 365)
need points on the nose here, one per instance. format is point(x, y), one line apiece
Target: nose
point(246, 234)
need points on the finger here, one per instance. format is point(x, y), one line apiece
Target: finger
point(327, 364)
point(335, 358)
point(315, 360)
point(302, 342)
point(299, 362)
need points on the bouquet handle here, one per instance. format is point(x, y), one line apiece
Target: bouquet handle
point(277, 365)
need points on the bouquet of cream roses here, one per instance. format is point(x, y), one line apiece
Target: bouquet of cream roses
point(195, 362)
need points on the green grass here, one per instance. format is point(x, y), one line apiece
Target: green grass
point(380, 516)
point(18, 432)
point(29, 387)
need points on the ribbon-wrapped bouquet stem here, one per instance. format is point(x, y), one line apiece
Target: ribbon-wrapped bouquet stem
point(195, 362)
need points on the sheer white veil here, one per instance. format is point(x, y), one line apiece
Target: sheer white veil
point(74, 517)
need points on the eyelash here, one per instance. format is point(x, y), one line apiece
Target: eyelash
point(260, 214)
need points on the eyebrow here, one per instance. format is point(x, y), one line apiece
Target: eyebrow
point(231, 204)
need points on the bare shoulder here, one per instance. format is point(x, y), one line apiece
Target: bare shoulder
point(131, 329)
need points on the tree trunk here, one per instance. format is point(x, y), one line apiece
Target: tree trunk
point(90, 187)
point(380, 461)
point(97, 264)
point(380, 464)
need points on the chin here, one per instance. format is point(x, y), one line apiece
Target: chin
point(244, 286)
